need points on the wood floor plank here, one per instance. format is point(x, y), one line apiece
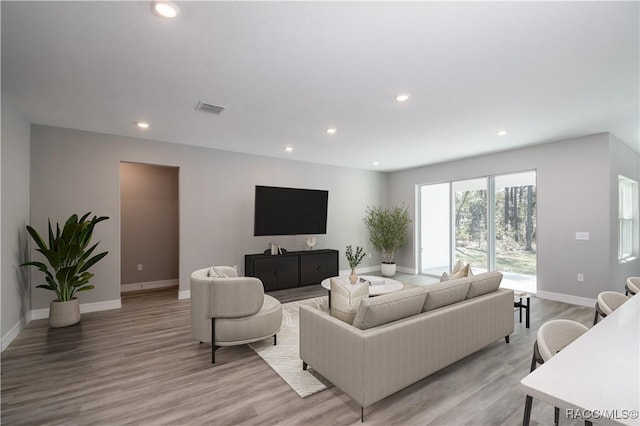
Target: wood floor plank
point(138, 365)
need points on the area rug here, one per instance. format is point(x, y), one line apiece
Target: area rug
point(284, 358)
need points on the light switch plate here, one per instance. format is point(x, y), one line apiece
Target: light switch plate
point(582, 235)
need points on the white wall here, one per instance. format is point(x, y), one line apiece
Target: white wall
point(15, 294)
point(77, 171)
point(574, 184)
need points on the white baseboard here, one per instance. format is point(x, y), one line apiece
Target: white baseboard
point(84, 308)
point(405, 270)
point(148, 285)
point(13, 333)
point(360, 271)
point(376, 268)
point(185, 294)
point(567, 298)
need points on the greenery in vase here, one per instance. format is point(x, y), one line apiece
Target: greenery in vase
point(388, 229)
point(354, 259)
point(68, 256)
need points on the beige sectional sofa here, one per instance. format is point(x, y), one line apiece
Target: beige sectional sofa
point(399, 338)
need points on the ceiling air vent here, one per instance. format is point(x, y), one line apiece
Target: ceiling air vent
point(210, 108)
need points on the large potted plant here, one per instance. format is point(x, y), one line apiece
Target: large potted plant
point(69, 259)
point(388, 233)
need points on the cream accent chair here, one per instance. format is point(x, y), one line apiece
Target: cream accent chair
point(633, 286)
point(231, 311)
point(346, 298)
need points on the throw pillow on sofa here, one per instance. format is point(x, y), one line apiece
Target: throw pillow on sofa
point(459, 270)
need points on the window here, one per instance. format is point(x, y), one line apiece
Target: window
point(627, 218)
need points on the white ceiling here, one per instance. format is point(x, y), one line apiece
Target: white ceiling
point(288, 70)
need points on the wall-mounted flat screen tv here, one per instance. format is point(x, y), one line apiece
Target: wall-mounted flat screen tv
point(290, 211)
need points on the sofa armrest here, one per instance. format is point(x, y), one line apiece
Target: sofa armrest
point(334, 349)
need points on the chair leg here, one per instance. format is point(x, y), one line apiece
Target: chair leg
point(275, 339)
point(214, 348)
point(556, 416)
point(506, 338)
point(304, 365)
point(527, 410)
point(534, 359)
point(587, 423)
point(595, 318)
point(361, 414)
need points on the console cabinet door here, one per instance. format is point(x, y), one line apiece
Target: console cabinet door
point(316, 267)
point(328, 265)
point(266, 268)
point(287, 272)
point(276, 272)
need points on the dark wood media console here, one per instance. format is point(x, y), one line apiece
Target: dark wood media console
point(292, 269)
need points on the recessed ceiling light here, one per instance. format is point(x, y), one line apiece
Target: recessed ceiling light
point(142, 124)
point(402, 97)
point(331, 130)
point(502, 132)
point(376, 163)
point(289, 149)
point(164, 9)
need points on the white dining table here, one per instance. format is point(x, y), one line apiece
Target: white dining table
point(597, 376)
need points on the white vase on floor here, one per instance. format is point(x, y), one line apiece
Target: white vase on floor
point(64, 314)
point(388, 269)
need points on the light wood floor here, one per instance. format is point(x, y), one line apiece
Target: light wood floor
point(139, 365)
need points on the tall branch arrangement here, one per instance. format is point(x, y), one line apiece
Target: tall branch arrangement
point(354, 259)
point(388, 229)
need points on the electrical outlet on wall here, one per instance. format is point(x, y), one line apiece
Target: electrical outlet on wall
point(139, 266)
point(580, 278)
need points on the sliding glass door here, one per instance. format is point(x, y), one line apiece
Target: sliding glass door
point(435, 237)
point(515, 229)
point(470, 223)
point(489, 222)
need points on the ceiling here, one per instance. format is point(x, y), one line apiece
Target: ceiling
point(287, 71)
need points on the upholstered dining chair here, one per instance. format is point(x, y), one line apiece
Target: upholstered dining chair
point(228, 310)
point(632, 287)
point(608, 301)
point(552, 337)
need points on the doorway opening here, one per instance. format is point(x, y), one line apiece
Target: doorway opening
point(149, 228)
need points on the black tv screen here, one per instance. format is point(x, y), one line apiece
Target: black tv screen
point(290, 211)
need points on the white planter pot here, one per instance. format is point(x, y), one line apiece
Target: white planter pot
point(64, 314)
point(388, 269)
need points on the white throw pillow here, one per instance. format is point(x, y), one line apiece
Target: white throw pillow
point(216, 273)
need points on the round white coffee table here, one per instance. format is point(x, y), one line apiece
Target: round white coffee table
point(375, 289)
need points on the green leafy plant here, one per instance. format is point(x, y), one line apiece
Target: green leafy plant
point(68, 256)
point(354, 259)
point(388, 229)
